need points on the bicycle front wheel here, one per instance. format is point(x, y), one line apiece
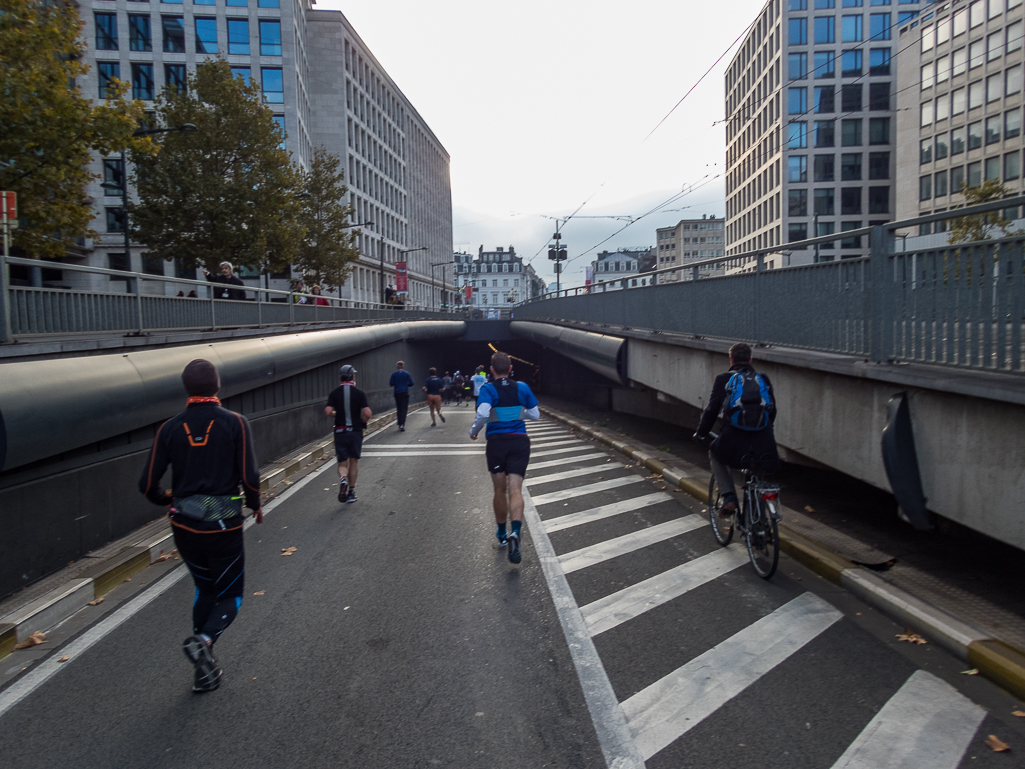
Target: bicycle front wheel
point(763, 543)
point(722, 528)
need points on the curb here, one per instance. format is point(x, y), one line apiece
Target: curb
point(60, 603)
point(998, 661)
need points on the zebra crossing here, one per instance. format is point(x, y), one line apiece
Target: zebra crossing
point(741, 660)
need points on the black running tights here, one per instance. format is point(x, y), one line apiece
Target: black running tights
point(217, 563)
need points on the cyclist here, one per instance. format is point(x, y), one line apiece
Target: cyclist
point(748, 405)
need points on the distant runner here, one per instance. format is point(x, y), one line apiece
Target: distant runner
point(446, 392)
point(400, 382)
point(479, 380)
point(502, 405)
point(348, 405)
point(433, 387)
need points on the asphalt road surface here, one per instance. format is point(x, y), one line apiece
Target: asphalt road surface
point(399, 635)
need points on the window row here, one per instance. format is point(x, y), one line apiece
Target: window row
point(824, 167)
point(140, 35)
point(942, 183)
point(229, 3)
point(144, 85)
point(799, 231)
point(851, 64)
point(824, 132)
point(852, 28)
point(971, 137)
point(975, 55)
point(819, 5)
point(958, 22)
point(850, 98)
point(824, 202)
point(992, 89)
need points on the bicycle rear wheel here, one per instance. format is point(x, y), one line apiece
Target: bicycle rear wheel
point(763, 543)
point(721, 528)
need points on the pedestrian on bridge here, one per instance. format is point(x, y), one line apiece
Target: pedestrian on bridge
point(400, 382)
point(502, 405)
point(348, 405)
point(210, 451)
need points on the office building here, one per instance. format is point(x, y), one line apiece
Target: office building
point(689, 241)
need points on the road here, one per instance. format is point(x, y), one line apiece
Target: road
point(398, 635)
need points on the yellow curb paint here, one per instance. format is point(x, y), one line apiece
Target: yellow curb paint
point(114, 571)
point(1000, 663)
point(8, 639)
point(817, 558)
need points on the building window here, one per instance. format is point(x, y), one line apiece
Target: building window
point(995, 87)
point(994, 46)
point(960, 22)
point(852, 3)
point(925, 151)
point(1014, 80)
point(824, 99)
point(822, 229)
point(175, 77)
point(797, 101)
point(823, 170)
point(957, 178)
point(797, 137)
point(824, 202)
point(958, 101)
point(879, 165)
point(797, 66)
point(939, 184)
point(140, 36)
point(280, 120)
point(268, 3)
point(996, 7)
point(879, 130)
point(206, 35)
point(879, 26)
point(975, 135)
point(850, 63)
point(824, 5)
point(243, 72)
point(925, 187)
point(237, 3)
point(109, 71)
point(928, 39)
point(1012, 166)
point(993, 129)
point(142, 81)
point(270, 38)
point(975, 173)
point(797, 30)
point(850, 166)
point(879, 200)
point(850, 201)
point(113, 177)
point(797, 5)
point(825, 64)
point(850, 97)
point(851, 29)
point(959, 62)
point(941, 146)
point(797, 231)
point(273, 85)
point(854, 242)
point(174, 33)
point(1012, 124)
point(179, 2)
point(238, 37)
point(824, 30)
point(797, 168)
point(115, 220)
point(119, 261)
point(824, 133)
point(797, 202)
point(942, 106)
point(957, 140)
point(926, 110)
point(851, 133)
point(879, 97)
point(106, 31)
point(879, 61)
point(993, 169)
point(1014, 34)
point(976, 54)
point(928, 75)
point(942, 69)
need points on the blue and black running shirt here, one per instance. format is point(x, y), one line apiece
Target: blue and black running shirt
point(507, 398)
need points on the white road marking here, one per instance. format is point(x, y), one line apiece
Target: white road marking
point(579, 491)
point(580, 447)
point(926, 723)
point(602, 468)
point(565, 460)
point(604, 511)
point(619, 607)
point(467, 444)
point(672, 706)
point(613, 548)
point(558, 442)
point(610, 725)
point(427, 453)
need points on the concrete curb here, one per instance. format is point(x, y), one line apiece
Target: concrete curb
point(996, 660)
point(60, 603)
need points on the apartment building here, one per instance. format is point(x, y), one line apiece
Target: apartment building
point(496, 277)
point(627, 264)
point(325, 88)
point(959, 119)
point(689, 241)
point(810, 126)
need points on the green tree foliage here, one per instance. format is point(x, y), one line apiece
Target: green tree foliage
point(47, 128)
point(329, 248)
point(225, 192)
point(968, 229)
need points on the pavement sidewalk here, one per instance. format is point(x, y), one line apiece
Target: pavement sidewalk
point(945, 614)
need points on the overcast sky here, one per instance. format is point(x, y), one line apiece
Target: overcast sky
point(543, 105)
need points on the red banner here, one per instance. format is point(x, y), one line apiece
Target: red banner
point(401, 279)
point(468, 292)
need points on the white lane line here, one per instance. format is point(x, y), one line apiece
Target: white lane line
point(579, 491)
point(613, 548)
point(603, 467)
point(558, 442)
point(566, 460)
point(467, 444)
point(926, 723)
point(604, 511)
point(622, 606)
point(610, 725)
point(672, 706)
point(428, 453)
point(548, 453)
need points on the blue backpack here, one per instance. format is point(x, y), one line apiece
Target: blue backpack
point(747, 401)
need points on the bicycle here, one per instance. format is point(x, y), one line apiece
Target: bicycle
point(756, 519)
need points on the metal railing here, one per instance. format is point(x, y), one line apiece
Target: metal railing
point(29, 311)
point(959, 305)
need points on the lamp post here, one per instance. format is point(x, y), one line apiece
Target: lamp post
point(185, 128)
point(434, 304)
point(402, 252)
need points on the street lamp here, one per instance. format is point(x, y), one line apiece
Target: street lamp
point(434, 304)
point(402, 252)
point(185, 128)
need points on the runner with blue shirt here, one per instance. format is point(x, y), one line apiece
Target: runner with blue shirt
point(400, 381)
point(502, 405)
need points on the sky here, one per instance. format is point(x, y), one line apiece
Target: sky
point(547, 105)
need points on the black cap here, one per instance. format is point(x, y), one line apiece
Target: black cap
point(200, 378)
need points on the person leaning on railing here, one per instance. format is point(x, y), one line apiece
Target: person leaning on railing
point(227, 278)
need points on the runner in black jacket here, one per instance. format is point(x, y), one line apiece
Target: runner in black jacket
point(210, 450)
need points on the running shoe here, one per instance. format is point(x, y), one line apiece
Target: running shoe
point(343, 490)
point(402, 428)
point(352, 496)
point(441, 417)
point(434, 424)
point(514, 548)
point(199, 653)
point(503, 540)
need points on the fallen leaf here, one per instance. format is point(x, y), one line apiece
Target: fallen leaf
point(33, 640)
point(260, 592)
point(1019, 713)
point(809, 509)
point(284, 554)
point(661, 488)
point(98, 601)
point(677, 491)
point(64, 659)
point(128, 580)
point(177, 558)
point(997, 745)
point(910, 637)
point(972, 672)
point(327, 489)
point(288, 550)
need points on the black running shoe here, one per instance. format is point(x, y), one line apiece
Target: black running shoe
point(343, 490)
point(514, 548)
point(352, 496)
point(441, 417)
point(199, 653)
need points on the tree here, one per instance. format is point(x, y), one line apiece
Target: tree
point(329, 248)
point(225, 192)
point(968, 229)
point(48, 129)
